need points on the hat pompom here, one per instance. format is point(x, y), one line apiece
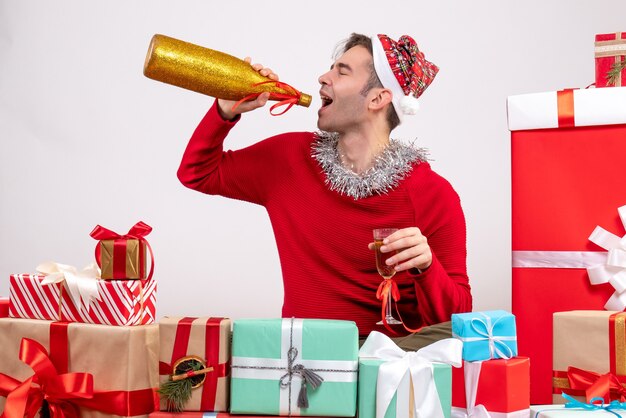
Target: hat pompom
point(409, 105)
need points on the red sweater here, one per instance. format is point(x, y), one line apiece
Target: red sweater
point(322, 236)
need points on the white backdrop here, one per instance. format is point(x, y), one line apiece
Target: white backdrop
point(86, 139)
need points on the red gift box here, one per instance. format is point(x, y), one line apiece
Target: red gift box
point(565, 182)
point(4, 307)
point(610, 50)
point(122, 302)
point(503, 386)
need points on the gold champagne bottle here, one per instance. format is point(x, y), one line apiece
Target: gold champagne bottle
point(213, 73)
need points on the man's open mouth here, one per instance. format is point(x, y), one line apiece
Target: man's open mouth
point(326, 100)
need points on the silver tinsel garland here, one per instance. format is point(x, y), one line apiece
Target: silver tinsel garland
point(390, 167)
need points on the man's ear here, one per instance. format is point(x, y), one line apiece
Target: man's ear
point(381, 98)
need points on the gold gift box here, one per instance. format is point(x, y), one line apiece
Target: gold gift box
point(135, 260)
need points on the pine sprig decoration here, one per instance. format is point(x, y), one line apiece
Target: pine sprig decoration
point(614, 72)
point(178, 392)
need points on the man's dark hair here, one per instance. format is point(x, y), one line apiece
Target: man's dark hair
point(357, 39)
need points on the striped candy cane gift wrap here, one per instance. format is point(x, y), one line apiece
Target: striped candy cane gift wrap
point(118, 302)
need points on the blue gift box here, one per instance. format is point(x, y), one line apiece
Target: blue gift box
point(486, 335)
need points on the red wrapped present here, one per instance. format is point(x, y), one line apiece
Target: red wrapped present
point(501, 387)
point(565, 182)
point(610, 55)
point(67, 295)
point(81, 370)
point(202, 340)
point(4, 307)
point(123, 256)
point(589, 355)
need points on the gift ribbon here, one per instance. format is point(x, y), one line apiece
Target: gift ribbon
point(290, 368)
point(211, 355)
point(613, 271)
point(595, 404)
point(610, 48)
point(138, 232)
point(565, 108)
point(471, 374)
point(485, 328)
point(595, 385)
point(61, 391)
point(64, 392)
point(385, 288)
point(288, 99)
point(82, 286)
point(402, 368)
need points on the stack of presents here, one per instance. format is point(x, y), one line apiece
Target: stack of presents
point(87, 343)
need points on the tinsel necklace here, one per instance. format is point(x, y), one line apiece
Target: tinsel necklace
point(392, 165)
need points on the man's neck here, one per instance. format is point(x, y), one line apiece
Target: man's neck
point(358, 150)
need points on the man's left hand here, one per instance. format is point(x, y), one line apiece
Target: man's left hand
point(412, 249)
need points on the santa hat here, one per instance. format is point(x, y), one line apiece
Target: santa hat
point(402, 68)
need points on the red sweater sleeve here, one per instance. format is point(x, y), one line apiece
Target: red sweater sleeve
point(443, 289)
point(242, 174)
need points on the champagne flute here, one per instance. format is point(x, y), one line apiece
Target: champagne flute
point(387, 272)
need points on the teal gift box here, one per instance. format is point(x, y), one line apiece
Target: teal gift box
point(294, 367)
point(368, 377)
point(486, 335)
point(398, 384)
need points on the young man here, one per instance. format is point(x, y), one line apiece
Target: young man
point(326, 191)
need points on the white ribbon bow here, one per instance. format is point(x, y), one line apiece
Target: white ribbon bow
point(82, 286)
point(418, 364)
point(471, 370)
point(614, 270)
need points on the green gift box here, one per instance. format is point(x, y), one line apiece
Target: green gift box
point(411, 384)
point(294, 367)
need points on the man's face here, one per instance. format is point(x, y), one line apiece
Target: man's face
point(343, 105)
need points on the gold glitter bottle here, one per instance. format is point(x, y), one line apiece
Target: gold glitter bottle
point(212, 73)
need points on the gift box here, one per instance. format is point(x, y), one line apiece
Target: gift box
point(501, 387)
point(4, 307)
point(596, 367)
point(104, 371)
point(566, 109)
point(610, 54)
point(279, 366)
point(123, 256)
point(565, 182)
point(398, 384)
point(486, 335)
point(203, 340)
point(112, 302)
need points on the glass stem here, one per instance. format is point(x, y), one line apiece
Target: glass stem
point(389, 312)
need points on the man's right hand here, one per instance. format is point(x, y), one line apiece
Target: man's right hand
point(225, 107)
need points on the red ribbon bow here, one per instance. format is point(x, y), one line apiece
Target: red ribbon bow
point(607, 386)
point(61, 391)
point(382, 293)
point(138, 232)
point(288, 99)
